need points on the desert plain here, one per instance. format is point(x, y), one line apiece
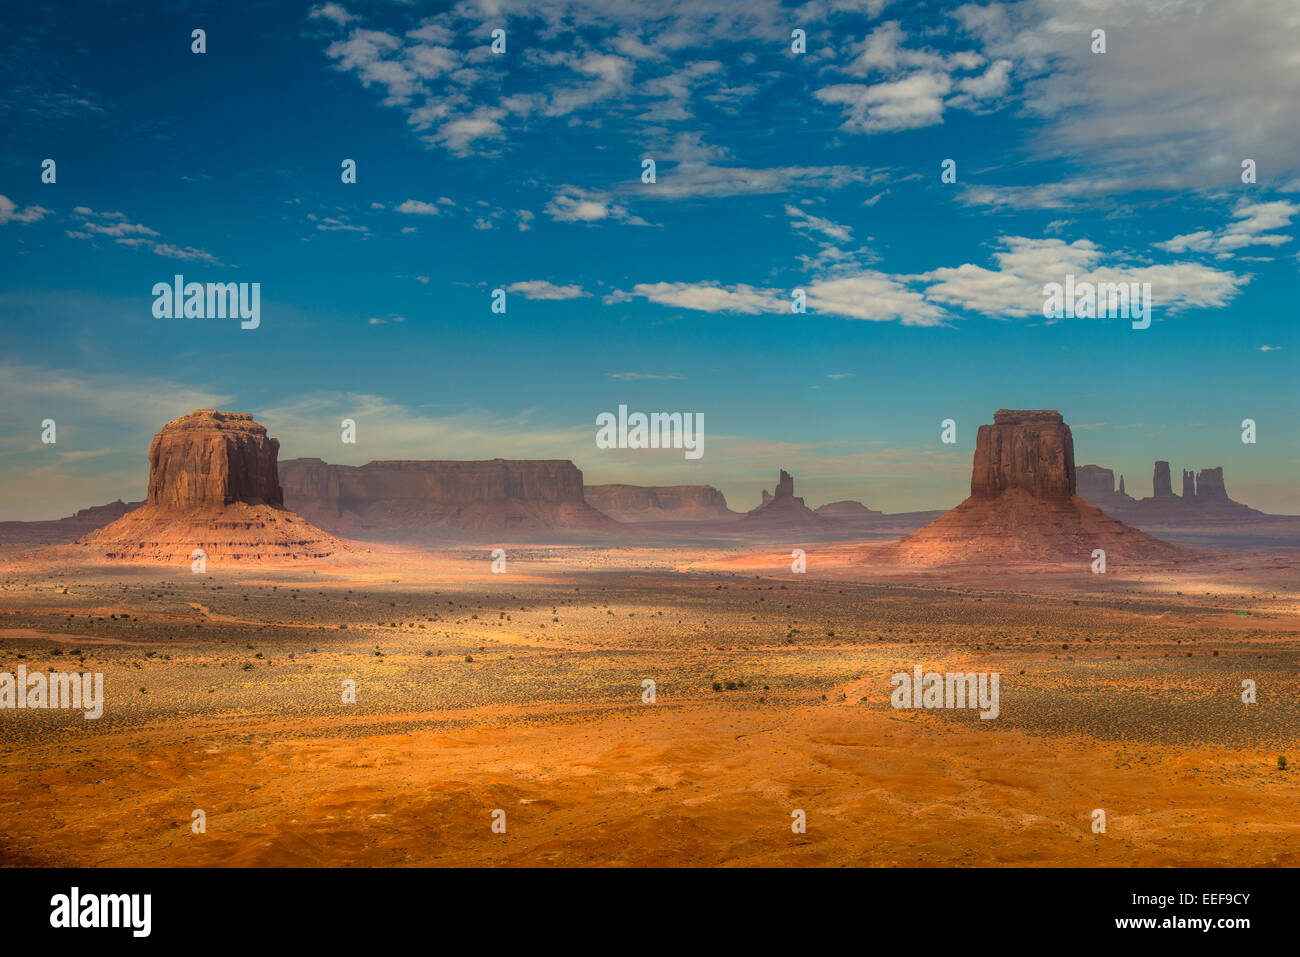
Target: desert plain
point(523, 692)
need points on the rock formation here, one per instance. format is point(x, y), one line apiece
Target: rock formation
point(1093, 481)
point(1204, 501)
point(60, 531)
point(210, 458)
point(213, 486)
point(1210, 487)
point(847, 511)
point(784, 485)
point(1028, 450)
point(782, 511)
point(1023, 508)
point(1161, 485)
point(1096, 486)
point(659, 503)
point(419, 501)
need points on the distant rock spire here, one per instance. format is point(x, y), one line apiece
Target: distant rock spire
point(1161, 484)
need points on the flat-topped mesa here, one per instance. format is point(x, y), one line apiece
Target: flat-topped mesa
point(658, 503)
point(431, 482)
point(212, 459)
point(1209, 485)
point(406, 500)
point(213, 489)
point(1031, 450)
point(1094, 481)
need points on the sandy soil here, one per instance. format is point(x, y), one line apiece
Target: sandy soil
point(223, 695)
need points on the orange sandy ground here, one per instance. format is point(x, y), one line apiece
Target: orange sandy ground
point(658, 785)
point(704, 780)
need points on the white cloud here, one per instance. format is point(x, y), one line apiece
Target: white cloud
point(905, 104)
point(541, 289)
point(11, 213)
point(1015, 287)
point(1185, 91)
point(186, 252)
point(331, 224)
point(459, 134)
point(707, 297)
point(1253, 227)
point(416, 207)
point(133, 235)
point(575, 205)
point(807, 223)
point(118, 229)
point(330, 11)
point(1012, 289)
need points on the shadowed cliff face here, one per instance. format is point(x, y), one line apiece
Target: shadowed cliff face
point(1161, 484)
point(312, 481)
point(411, 501)
point(1209, 485)
point(637, 503)
point(1028, 450)
point(210, 458)
point(1094, 481)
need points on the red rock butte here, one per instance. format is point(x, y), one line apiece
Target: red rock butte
point(211, 458)
point(1023, 508)
point(213, 486)
point(1029, 450)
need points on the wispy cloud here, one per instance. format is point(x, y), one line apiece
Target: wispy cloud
point(11, 213)
point(541, 289)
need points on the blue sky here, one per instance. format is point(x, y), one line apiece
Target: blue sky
point(776, 170)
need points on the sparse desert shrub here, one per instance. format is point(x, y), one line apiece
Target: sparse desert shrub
point(717, 686)
point(1281, 762)
point(469, 658)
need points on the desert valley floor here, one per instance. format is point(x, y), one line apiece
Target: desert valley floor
point(523, 692)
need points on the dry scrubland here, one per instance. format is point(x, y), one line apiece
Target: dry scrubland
point(224, 693)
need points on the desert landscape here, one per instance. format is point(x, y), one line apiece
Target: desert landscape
point(537, 682)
